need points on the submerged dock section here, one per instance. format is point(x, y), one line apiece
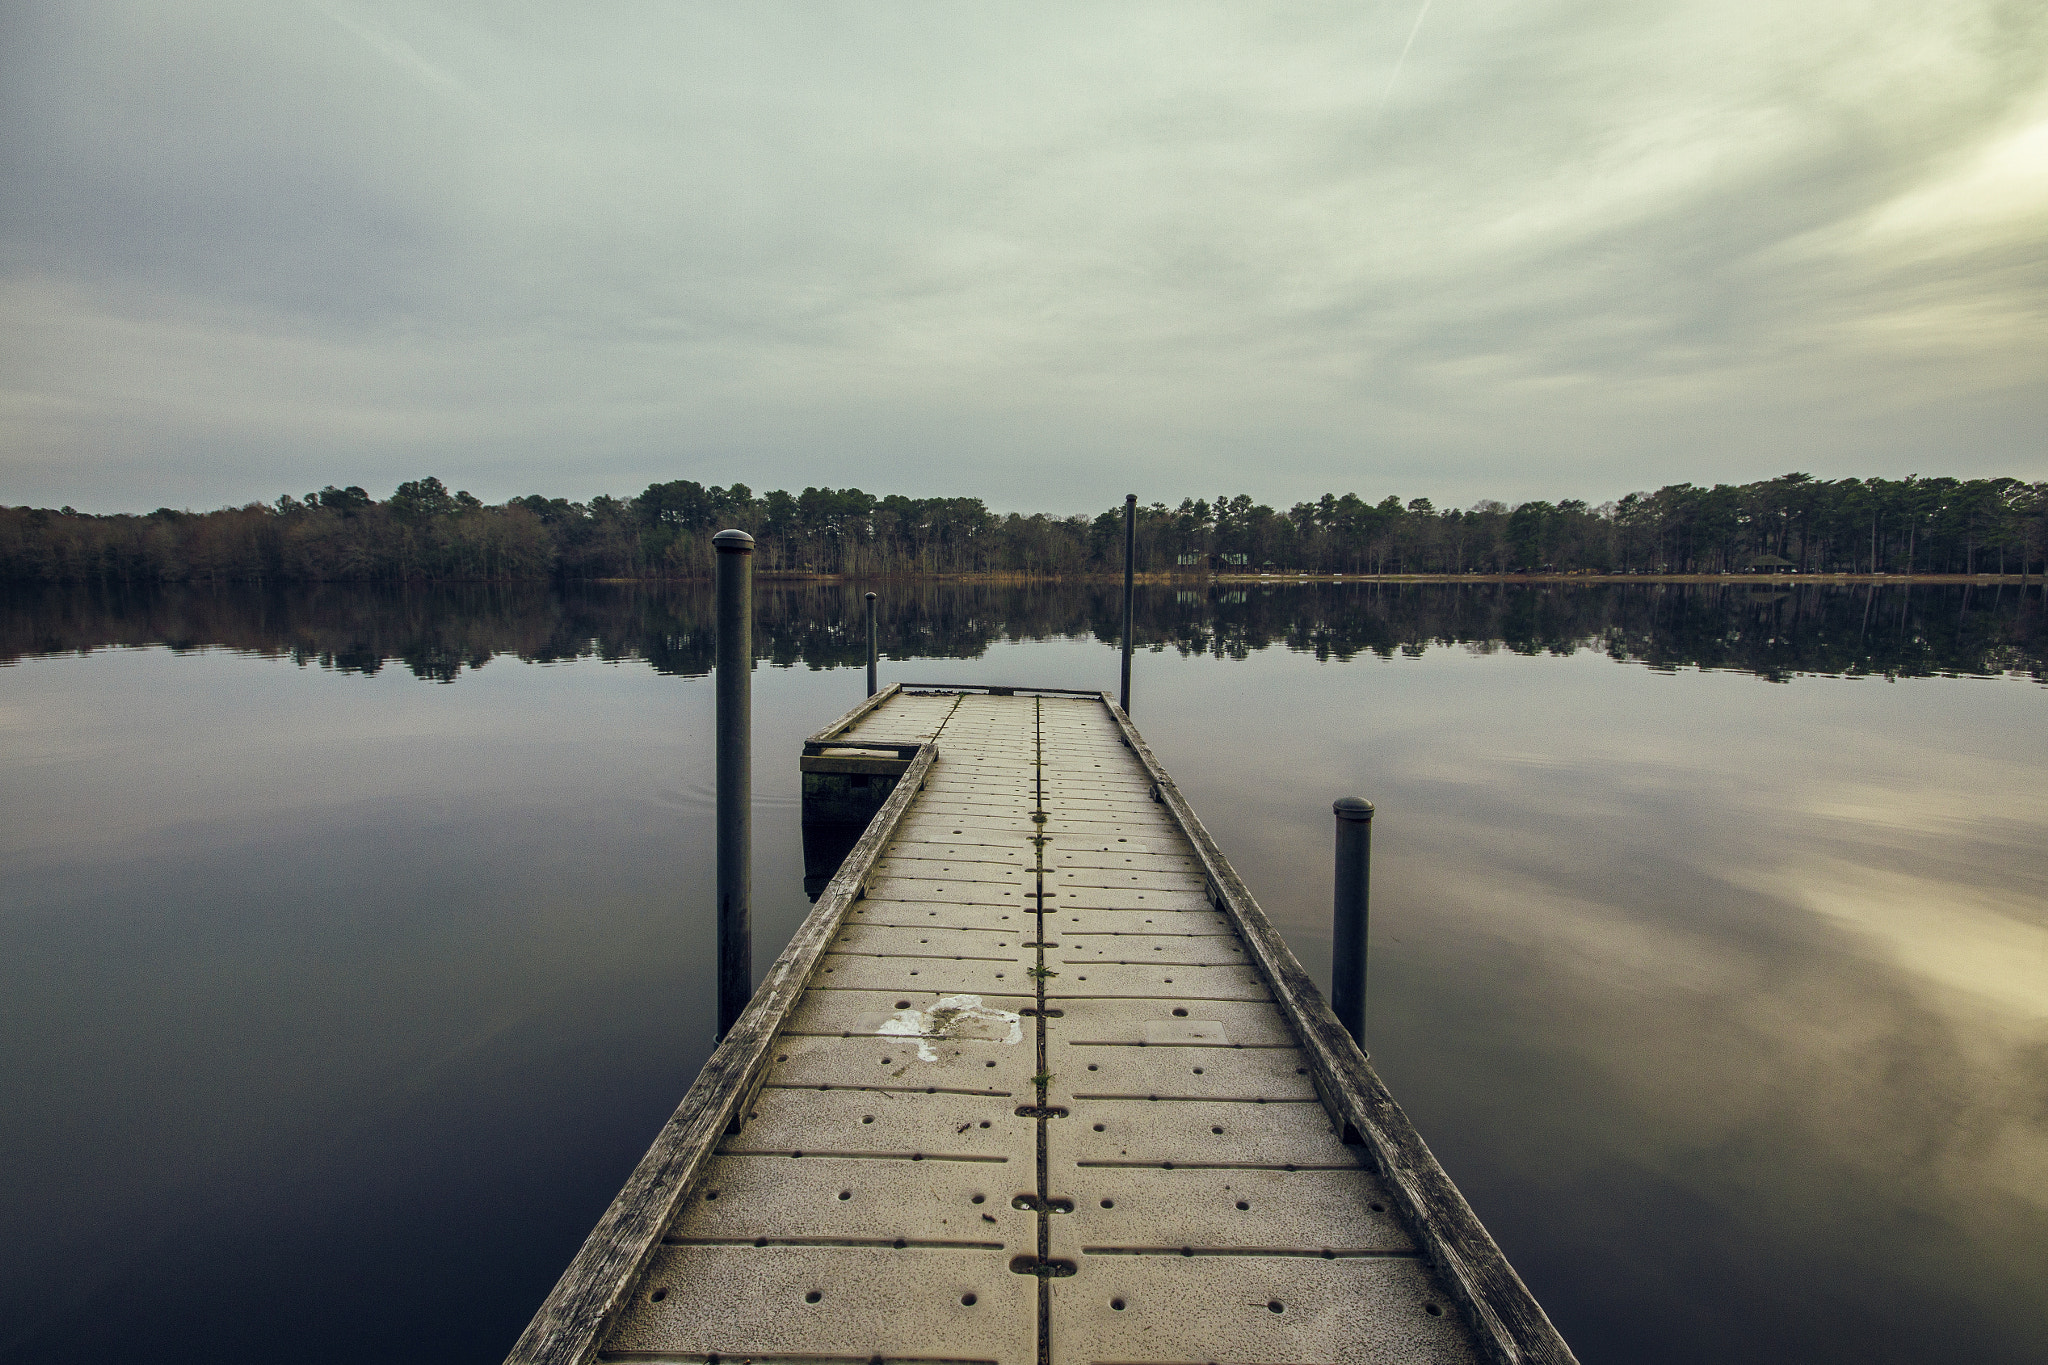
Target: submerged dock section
point(1036, 1082)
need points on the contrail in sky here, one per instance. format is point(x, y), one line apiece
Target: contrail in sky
point(1401, 61)
point(400, 54)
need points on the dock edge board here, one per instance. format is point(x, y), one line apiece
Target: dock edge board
point(1509, 1323)
point(569, 1328)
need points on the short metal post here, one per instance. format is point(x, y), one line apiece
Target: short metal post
point(1130, 570)
point(1348, 918)
point(735, 775)
point(871, 644)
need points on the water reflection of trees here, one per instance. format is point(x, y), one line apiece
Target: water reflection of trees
point(436, 633)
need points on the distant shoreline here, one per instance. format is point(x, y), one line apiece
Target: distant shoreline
point(1013, 578)
point(1183, 579)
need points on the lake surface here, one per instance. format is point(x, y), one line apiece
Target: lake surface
point(1709, 938)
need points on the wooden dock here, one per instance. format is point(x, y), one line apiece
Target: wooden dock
point(1036, 1082)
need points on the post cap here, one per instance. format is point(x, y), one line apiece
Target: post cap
point(1130, 497)
point(1352, 808)
point(733, 542)
point(871, 597)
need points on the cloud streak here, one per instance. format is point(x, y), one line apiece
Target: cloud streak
point(1031, 254)
point(1399, 62)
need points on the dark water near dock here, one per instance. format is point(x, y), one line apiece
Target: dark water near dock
point(335, 1007)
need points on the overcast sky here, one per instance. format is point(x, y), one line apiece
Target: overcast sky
point(1039, 254)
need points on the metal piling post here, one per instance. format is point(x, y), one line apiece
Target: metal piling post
point(1348, 917)
point(1130, 570)
point(871, 644)
point(735, 774)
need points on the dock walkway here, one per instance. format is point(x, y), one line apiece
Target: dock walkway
point(1036, 1082)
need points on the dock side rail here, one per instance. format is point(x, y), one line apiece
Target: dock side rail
point(571, 1323)
point(1511, 1326)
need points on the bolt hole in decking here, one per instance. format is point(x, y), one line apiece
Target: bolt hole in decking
point(1117, 1304)
point(967, 1300)
point(813, 1296)
point(657, 1296)
point(1432, 1310)
point(979, 1198)
point(1180, 1014)
point(846, 1194)
point(1275, 1306)
point(1240, 1203)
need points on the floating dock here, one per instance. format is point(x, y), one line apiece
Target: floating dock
point(1036, 1083)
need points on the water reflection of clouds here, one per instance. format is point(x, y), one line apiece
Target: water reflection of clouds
point(1788, 1098)
point(1969, 941)
point(1759, 973)
point(1722, 1001)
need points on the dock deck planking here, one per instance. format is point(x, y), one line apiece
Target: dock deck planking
point(1038, 1102)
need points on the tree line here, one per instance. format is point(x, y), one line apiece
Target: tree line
point(438, 632)
point(424, 532)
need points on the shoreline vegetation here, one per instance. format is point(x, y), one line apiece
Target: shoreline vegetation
point(1913, 530)
point(1185, 578)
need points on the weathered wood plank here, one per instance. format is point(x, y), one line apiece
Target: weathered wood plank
point(571, 1322)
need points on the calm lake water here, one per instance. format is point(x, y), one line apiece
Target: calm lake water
point(1709, 939)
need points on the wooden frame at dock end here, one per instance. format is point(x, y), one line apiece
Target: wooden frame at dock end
point(1511, 1326)
point(847, 721)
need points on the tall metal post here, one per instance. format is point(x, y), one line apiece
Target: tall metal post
point(1130, 571)
point(735, 775)
point(871, 644)
point(1348, 918)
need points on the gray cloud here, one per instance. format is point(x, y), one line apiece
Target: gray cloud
point(1036, 254)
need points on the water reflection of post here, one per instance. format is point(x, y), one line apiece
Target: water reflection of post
point(871, 644)
point(735, 774)
point(1348, 922)
point(1130, 567)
